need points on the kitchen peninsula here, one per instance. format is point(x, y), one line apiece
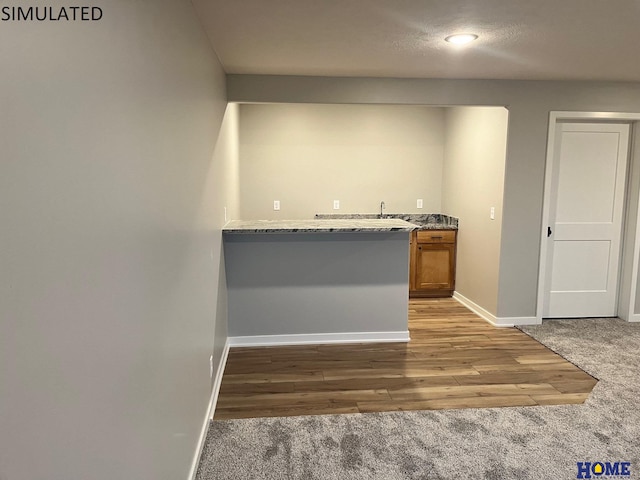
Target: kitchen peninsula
point(317, 281)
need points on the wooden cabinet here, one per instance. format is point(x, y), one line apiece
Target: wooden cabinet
point(432, 270)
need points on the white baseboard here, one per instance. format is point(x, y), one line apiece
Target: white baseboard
point(635, 317)
point(217, 380)
point(491, 318)
point(319, 338)
point(477, 309)
point(515, 321)
point(215, 390)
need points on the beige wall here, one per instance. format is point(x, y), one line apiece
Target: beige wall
point(225, 176)
point(219, 204)
point(307, 156)
point(111, 293)
point(529, 104)
point(473, 182)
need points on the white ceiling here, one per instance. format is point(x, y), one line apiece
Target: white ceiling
point(519, 39)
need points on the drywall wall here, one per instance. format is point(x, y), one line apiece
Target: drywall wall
point(110, 291)
point(473, 182)
point(529, 104)
point(220, 204)
point(227, 161)
point(307, 156)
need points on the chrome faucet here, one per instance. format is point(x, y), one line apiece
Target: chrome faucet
point(382, 207)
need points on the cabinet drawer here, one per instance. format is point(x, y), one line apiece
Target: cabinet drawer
point(436, 236)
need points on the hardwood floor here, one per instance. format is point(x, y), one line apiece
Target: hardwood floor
point(454, 360)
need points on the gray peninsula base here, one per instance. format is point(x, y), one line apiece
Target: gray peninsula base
point(338, 286)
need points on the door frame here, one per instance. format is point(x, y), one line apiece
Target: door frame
point(630, 251)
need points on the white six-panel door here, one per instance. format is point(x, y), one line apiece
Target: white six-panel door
point(587, 206)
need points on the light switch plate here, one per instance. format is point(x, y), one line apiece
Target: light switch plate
point(492, 213)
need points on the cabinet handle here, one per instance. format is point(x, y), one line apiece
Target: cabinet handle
point(433, 237)
point(419, 248)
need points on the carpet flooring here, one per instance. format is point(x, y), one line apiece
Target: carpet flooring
point(542, 442)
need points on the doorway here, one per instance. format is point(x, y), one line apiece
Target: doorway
point(590, 207)
point(585, 223)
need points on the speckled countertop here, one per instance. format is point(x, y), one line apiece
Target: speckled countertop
point(319, 225)
point(423, 221)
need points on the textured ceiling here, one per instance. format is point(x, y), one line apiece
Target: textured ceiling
point(519, 39)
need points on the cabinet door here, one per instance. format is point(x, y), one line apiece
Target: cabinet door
point(435, 266)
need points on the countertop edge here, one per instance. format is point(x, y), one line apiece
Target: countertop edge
point(315, 226)
point(317, 230)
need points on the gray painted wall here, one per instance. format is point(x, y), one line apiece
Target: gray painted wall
point(473, 182)
point(529, 104)
point(306, 283)
point(112, 285)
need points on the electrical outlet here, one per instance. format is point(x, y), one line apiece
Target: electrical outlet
point(211, 366)
point(276, 204)
point(336, 204)
point(419, 203)
point(492, 213)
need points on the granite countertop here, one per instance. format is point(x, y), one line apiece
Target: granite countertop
point(423, 221)
point(319, 225)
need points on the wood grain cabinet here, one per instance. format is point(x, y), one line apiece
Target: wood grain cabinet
point(432, 271)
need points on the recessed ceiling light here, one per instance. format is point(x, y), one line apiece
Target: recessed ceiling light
point(461, 38)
